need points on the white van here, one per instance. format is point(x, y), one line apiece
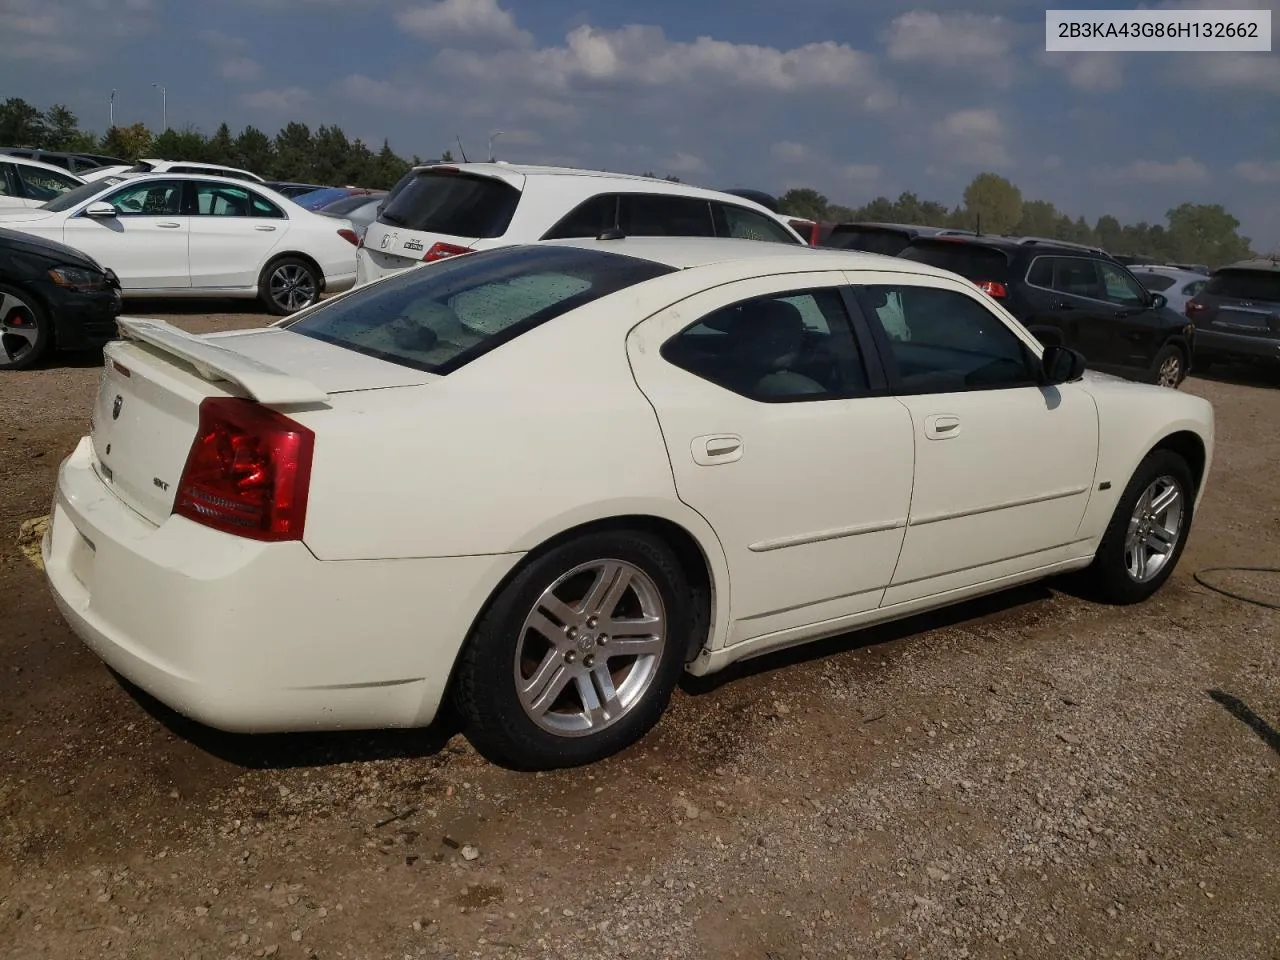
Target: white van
point(447, 209)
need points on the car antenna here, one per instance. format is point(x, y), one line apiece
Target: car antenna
point(612, 233)
point(460, 150)
point(978, 216)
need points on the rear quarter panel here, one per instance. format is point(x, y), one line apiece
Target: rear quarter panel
point(1133, 419)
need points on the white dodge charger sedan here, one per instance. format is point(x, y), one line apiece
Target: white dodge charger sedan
point(542, 481)
point(171, 235)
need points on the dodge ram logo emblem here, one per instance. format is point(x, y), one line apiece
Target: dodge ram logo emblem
point(115, 407)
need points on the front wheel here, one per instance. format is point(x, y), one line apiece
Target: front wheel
point(1144, 540)
point(287, 285)
point(25, 331)
point(577, 656)
point(1169, 368)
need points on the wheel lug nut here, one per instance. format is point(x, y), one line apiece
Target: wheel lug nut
point(591, 622)
point(588, 661)
point(602, 639)
point(571, 632)
point(570, 656)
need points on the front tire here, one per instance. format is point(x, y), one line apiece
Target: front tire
point(288, 285)
point(26, 333)
point(1169, 368)
point(1144, 540)
point(577, 656)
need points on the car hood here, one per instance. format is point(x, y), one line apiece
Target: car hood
point(25, 215)
point(49, 249)
point(1095, 376)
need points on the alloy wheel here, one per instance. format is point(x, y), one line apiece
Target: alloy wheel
point(19, 330)
point(1154, 529)
point(292, 287)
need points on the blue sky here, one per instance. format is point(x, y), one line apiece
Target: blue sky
point(854, 98)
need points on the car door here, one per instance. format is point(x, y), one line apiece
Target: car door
point(145, 242)
point(233, 230)
point(782, 436)
point(1067, 296)
point(1133, 333)
point(1003, 466)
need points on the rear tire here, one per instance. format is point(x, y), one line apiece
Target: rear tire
point(1169, 368)
point(287, 285)
point(1144, 540)
point(26, 332)
point(538, 688)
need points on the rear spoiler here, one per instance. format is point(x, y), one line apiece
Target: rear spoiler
point(264, 383)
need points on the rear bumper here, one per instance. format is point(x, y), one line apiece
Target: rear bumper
point(374, 265)
point(340, 282)
point(1215, 343)
point(251, 637)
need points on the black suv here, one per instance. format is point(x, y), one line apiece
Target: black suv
point(1072, 295)
point(1237, 314)
point(889, 239)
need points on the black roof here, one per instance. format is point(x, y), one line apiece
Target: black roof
point(52, 249)
point(1257, 264)
point(1008, 243)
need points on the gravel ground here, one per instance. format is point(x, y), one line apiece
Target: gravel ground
point(1029, 776)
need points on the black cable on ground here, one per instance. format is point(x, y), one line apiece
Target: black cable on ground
point(1199, 578)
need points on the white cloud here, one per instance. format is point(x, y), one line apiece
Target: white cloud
point(240, 69)
point(1182, 170)
point(974, 137)
point(788, 151)
point(1237, 71)
point(685, 164)
point(860, 172)
point(1258, 171)
point(69, 32)
point(970, 42)
point(441, 21)
point(284, 100)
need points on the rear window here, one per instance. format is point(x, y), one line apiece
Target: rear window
point(972, 261)
point(1246, 285)
point(1155, 282)
point(456, 204)
point(868, 239)
point(441, 317)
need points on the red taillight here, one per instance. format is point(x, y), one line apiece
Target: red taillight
point(1193, 307)
point(248, 471)
point(439, 251)
point(350, 236)
point(992, 288)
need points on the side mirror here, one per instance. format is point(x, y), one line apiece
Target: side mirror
point(1062, 364)
point(1159, 301)
point(99, 208)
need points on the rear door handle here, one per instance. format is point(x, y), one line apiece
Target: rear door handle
point(264, 226)
point(169, 225)
point(718, 448)
point(942, 426)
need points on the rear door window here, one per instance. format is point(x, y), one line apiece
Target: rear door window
point(1246, 285)
point(455, 204)
point(588, 219)
point(440, 319)
point(868, 239)
point(659, 215)
point(46, 184)
point(1155, 282)
point(1077, 277)
point(744, 224)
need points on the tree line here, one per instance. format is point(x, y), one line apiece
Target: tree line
point(1193, 233)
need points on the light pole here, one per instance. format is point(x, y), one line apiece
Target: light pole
point(111, 110)
point(493, 137)
point(164, 106)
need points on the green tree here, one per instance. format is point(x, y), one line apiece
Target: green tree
point(185, 144)
point(803, 202)
point(21, 124)
point(294, 157)
point(128, 143)
point(252, 150)
point(220, 148)
point(1038, 219)
point(1204, 233)
point(994, 202)
point(61, 129)
point(1109, 233)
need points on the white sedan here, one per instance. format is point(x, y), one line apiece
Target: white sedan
point(169, 235)
point(543, 481)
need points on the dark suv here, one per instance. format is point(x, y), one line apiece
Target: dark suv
point(1237, 314)
point(1072, 295)
point(889, 239)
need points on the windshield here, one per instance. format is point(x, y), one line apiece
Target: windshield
point(348, 204)
point(1246, 285)
point(73, 197)
point(972, 261)
point(1155, 282)
point(456, 204)
point(870, 240)
point(440, 317)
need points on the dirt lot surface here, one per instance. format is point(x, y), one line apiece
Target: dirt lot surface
point(1029, 776)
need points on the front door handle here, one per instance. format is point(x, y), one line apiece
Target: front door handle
point(718, 448)
point(942, 426)
point(169, 225)
point(264, 226)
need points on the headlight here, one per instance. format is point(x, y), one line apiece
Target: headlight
point(78, 278)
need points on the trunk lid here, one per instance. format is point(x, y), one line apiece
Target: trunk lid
point(148, 405)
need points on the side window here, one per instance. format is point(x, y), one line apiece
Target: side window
point(1041, 273)
point(262, 207)
point(656, 215)
point(787, 346)
point(216, 200)
point(744, 224)
point(152, 198)
point(1120, 287)
point(943, 341)
point(588, 219)
point(1155, 282)
point(1078, 277)
point(8, 182)
point(45, 184)
point(1193, 288)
